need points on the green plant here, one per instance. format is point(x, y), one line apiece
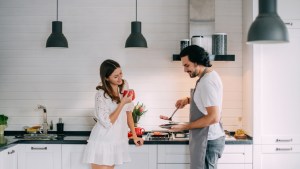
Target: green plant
point(3, 119)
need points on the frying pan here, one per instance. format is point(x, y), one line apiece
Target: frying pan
point(169, 125)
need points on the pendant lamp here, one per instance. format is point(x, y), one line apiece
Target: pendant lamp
point(136, 38)
point(57, 38)
point(268, 26)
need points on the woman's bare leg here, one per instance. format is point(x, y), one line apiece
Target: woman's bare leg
point(95, 166)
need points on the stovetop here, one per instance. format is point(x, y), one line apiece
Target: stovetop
point(168, 136)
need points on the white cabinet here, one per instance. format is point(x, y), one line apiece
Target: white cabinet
point(280, 92)
point(173, 166)
point(288, 9)
point(144, 157)
point(8, 158)
point(37, 156)
point(276, 123)
point(274, 82)
point(72, 156)
point(177, 156)
point(277, 156)
point(141, 157)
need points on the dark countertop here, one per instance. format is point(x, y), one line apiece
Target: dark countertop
point(10, 140)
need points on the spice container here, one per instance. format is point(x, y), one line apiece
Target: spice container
point(60, 127)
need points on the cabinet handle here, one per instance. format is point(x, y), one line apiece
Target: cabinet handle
point(38, 148)
point(284, 149)
point(284, 140)
point(289, 23)
point(12, 151)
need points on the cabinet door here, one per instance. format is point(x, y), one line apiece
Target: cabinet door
point(72, 156)
point(280, 90)
point(231, 166)
point(280, 160)
point(9, 158)
point(288, 9)
point(37, 156)
point(176, 154)
point(173, 166)
point(144, 157)
point(179, 154)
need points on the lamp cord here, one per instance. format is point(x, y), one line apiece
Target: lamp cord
point(56, 10)
point(135, 10)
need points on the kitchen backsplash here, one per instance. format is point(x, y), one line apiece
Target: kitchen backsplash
point(64, 80)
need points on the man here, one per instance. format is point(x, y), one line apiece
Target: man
point(207, 137)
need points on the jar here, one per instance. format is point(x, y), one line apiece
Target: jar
point(219, 44)
point(197, 40)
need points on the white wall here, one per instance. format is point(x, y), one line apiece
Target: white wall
point(64, 80)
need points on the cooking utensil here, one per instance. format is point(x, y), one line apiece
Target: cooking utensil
point(169, 125)
point(170, 118)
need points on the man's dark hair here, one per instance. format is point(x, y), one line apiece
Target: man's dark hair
point(196, 54)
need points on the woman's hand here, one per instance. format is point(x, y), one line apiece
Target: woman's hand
point(182, 102)
point(127, 98)
point(138, 141)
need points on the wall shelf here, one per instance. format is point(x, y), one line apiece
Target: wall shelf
point(176, 57)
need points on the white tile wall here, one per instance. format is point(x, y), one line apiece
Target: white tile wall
point(64, 80)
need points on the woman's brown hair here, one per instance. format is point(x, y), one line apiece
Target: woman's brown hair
point(106, 69)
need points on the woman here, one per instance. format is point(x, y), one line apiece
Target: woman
point(108, 142)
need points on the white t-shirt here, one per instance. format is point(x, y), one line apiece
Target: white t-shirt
point(209, 92)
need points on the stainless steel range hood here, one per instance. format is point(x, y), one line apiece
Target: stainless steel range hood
point(202, 22)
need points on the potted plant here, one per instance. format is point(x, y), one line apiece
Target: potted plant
point(3, 123)
point(138, 111)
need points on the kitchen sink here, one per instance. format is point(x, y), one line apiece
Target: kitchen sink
point(40, 136)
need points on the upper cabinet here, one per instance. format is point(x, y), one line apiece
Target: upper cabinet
point(288, 9)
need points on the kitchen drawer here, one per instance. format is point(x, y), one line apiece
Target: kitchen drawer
point(41, 147)
point(287, 139)
point(37, 156)
point(280, 148)
point(179, 154)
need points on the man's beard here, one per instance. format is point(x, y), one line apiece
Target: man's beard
point(193, 74)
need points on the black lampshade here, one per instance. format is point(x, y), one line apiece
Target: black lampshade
point(57, 38)
point(268, 26)
point(136, 38)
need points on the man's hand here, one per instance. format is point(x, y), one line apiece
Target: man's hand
point(179, 127)
point(182, 102)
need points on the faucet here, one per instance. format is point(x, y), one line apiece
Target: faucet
point(45, 123)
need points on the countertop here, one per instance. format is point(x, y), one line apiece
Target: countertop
point(10, 140)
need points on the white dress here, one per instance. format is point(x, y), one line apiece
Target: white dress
point(108, 143)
